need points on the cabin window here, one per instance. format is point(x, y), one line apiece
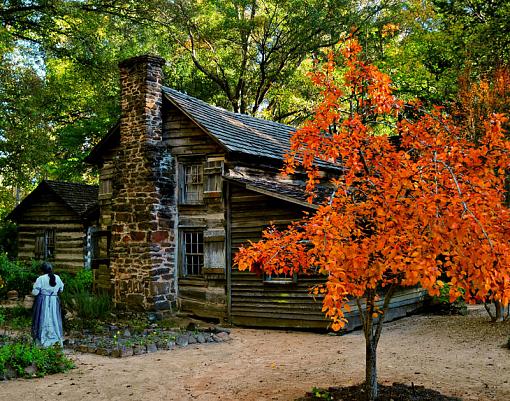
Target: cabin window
point(192, 252)
point(99, 250)
point(280, 278)
point(212, 171)
point(192, 183)
point(45, 245)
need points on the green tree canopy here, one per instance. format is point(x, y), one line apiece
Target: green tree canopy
point(251, 49)
point(59, 77)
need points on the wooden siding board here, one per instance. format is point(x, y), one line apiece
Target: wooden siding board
point(102, 273)
point(256, 314)
point(254, 302)
point(184, 138)
point(200, 309)
point(203, 296)
point(52, 213)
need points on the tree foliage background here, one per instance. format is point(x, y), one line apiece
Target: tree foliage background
point(59, 80)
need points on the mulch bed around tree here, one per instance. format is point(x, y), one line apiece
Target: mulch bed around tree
point(395, 392)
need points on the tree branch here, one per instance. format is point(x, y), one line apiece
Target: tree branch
point(386, 304)
point(463, 203)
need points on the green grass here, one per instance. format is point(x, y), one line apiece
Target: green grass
point(87, 305)
point(21, 353)
point(78, 297)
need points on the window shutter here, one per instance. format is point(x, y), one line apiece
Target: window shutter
point(39, 245)
point(105, 187)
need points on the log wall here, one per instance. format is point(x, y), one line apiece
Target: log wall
point(203, 295)
point(253, 301)
point(50, 213)
point(102, 273)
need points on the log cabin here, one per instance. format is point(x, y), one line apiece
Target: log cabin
point(56, 222)
point(183, 185)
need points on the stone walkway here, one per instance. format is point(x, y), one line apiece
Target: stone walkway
point(122, 343)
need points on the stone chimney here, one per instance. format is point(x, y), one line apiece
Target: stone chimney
point(143, 206)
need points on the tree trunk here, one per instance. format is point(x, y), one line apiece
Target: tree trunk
point(371, 370)
point(372, 330)
point(371, 340)
point(500, 315)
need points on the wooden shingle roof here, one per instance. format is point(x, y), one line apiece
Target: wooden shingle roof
point(272, 185)
point(235, 132)
point(80, 198)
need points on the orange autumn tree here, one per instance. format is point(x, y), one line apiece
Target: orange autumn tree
point(425, 208)
point(479, 98)
point(476, 100)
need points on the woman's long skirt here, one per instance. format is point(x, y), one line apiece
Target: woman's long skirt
point(47, 320)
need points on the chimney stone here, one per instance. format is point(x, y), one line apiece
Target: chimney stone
point(143, 210)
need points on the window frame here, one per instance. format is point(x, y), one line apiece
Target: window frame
point(98, 238)
point(45, 244)
point(184, 198)
point(184, 254)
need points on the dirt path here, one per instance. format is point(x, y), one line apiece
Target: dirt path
point(461, 356)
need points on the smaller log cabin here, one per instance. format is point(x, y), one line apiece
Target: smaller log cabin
point(55, 223)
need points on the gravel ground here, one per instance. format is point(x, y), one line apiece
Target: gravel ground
point(459, 356)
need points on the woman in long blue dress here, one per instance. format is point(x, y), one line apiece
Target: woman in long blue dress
point(46, 315)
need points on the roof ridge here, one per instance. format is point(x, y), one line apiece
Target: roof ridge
point(69, 183)
point(235, 132)
point(77, 196)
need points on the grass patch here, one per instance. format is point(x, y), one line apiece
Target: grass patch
point(20, 357)
point(88, 306)
point(79, 299)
